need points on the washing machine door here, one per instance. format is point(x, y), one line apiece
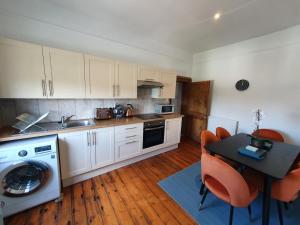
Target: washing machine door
point(24, 178)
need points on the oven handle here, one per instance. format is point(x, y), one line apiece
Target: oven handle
point(155, 128)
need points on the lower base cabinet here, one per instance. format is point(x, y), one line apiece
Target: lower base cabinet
point(128, 149)
point(83, 151)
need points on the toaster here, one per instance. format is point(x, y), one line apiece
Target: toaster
point(104, 113)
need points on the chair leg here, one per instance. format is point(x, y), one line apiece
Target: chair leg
point(231, 215)
point(250, 212)
point(279, 212)
point(202, 189)
point(203, 198)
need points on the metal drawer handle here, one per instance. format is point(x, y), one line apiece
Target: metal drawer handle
point(155, 128)
point(131, 136)
point(130, 128)
point(131, 142)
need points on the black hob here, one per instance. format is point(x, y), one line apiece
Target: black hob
point(148, 116)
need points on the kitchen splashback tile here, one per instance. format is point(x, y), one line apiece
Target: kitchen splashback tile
point(7, 112)
point(30, 106)
point(66, 107)
point(51, 106)
point(84, 109)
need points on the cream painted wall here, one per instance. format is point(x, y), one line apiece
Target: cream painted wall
point(48, 24)
point(271, 63)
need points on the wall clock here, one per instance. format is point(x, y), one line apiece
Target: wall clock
point(242, 85)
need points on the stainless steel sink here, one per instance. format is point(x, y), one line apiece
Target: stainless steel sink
point(78, 123)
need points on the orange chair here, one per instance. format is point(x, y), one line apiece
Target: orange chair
point(286, 190)
point(222, 133)
point(227, 184)
point(268, 134)
point(206, 138)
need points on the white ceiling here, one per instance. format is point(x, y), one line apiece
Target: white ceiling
point(187, 25)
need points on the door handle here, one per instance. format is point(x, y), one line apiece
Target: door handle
point(155, 128)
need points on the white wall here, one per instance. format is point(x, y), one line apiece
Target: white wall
point(44, 23)
point(271, 63)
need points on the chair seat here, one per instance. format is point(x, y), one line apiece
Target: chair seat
point(219, 190)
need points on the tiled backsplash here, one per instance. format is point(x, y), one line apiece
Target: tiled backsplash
point(82, 108)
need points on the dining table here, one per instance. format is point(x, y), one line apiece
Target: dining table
point(276, 164)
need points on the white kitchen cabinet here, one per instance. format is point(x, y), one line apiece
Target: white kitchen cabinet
point(172, 131)
point(100, 77)
point(65, 73)
point(149, 73)
point(128, 149)
point(75, 153)
point(126, 80)
point(168, 79)
point(102, 152)
point(22, 72)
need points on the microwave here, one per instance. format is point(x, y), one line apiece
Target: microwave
point(164, 109)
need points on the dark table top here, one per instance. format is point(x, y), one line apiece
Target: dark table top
point(277, 162)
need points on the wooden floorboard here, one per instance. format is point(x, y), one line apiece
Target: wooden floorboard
point(126, 196)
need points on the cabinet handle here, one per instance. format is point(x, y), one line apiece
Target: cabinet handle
point(114, 90)
point(131, 136)
point(149, 79)
point(130, 128)
point(88, 138)
point(118, 90)
point(94, 138)
point(43, 87)
point(130, 142)
point(51, 88)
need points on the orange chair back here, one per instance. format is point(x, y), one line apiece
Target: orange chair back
point(206, 138)
point(220, 173)
point(287, 189)
point(222, 133)
point(268, 134)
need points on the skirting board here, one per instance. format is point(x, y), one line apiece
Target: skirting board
point(97, 172)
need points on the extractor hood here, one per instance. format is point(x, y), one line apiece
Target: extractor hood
point(149, 84)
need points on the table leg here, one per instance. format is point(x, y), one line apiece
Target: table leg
point(266, 200)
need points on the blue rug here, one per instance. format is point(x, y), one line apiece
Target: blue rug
point(184, 187)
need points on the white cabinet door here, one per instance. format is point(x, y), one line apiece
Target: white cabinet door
point(75, 153)
point(22, 72)
point(168, 79)
point(128, 149)
point(149, 73)
point(173, 131)
point(65, 73)
point(126, 80)
point(102, 153)
point(99, 77)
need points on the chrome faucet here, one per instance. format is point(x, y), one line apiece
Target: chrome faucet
point(65, 119)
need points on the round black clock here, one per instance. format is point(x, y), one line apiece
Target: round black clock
point(242, 85)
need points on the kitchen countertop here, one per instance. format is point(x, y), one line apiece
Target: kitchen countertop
point(8, 133)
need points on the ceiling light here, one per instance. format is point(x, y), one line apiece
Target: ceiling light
point(217, 16)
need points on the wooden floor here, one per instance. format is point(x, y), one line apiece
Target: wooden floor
point(129, 195)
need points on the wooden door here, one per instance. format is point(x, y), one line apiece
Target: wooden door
point(21, 70)
point(102, 147)
point(126, 80)
point(65, 73)
point(100, 80)
point(75, 153)
point(195, 107)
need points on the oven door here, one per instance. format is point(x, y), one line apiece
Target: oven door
point(153, 136)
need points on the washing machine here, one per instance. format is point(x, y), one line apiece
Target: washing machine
point(29, 173)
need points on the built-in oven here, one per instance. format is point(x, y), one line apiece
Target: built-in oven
point(154, 133)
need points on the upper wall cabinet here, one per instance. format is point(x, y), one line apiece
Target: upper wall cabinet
point(22, 72)
point(149, 73)
point(64, 73)
point(126, 80)
point(168, 79)
point(100, 77)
